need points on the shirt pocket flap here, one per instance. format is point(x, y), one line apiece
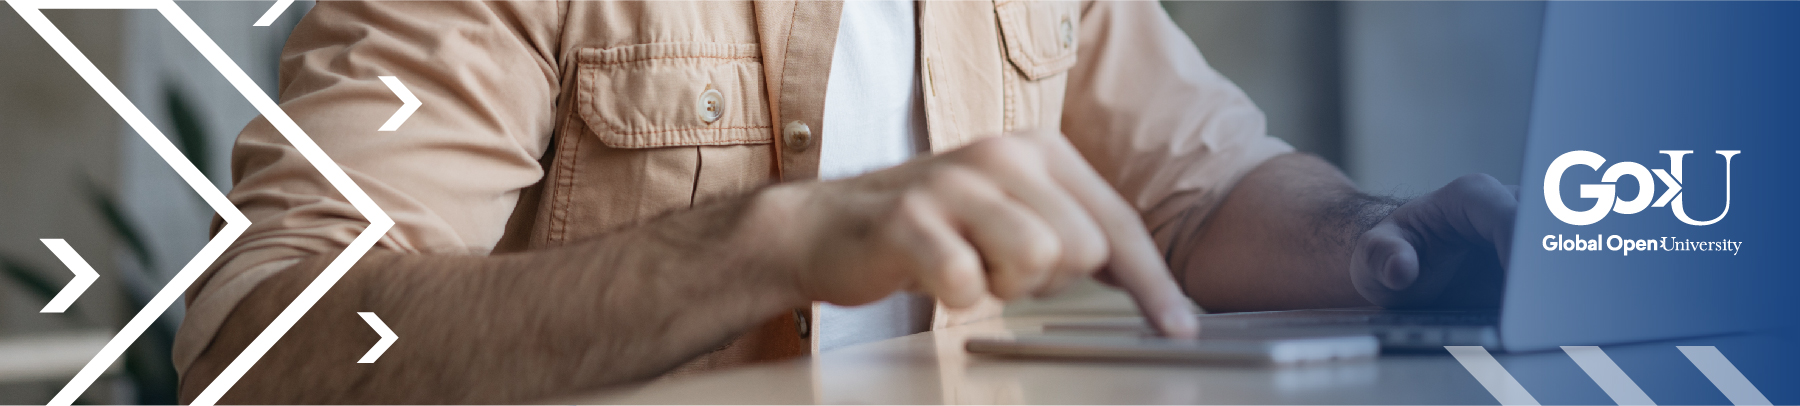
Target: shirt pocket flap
point(674, 94)
point(1040, 36)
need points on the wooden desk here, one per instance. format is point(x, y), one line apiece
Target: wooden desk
point(932, 368)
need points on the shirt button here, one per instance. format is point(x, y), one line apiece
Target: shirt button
point(802, 324)
point(711, 105)
point(1068, 32)
point(797, 135)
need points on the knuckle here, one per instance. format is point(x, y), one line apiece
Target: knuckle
point(1002, 151)
point(1086, 256)
point(914, 204)
point(1477, 184)
point(968, 186)
point(955, 269)
point(950, 177)
point(1483, 191)
point(1042, 254)
point(961, 276)
point(1017, 276)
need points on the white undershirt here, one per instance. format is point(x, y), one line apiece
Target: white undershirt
point(874, 119)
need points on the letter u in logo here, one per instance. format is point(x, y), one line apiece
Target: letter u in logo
point(1673, 179)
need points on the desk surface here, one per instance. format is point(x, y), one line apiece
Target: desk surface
point(932, 368)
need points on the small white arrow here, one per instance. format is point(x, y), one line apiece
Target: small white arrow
point(268, 17)
point(84, 276)
point(406, 110)
point(387, 337)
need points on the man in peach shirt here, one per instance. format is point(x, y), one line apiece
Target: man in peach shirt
point(602, 192)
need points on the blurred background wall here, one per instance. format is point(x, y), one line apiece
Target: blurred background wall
point(59, 138)
point(1404, 95)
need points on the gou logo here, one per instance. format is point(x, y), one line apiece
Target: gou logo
point(1607, 201)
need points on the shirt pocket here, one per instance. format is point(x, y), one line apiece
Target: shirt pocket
point(1040, 36)
point(675, 123)
point(674, 94)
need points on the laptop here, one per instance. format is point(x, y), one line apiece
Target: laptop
point(1635, 84)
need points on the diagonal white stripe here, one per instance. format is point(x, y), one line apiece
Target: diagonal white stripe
point(235, 222)
point(1607, 374)
point(274, 12)
point(1724, 376)
point(1492, 376)
point(379, 222)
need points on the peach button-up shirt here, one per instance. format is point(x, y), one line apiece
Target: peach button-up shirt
point(547, 122)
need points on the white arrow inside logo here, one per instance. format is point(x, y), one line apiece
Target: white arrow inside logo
point(387, 337)
point(407, 108)
point(84, 276)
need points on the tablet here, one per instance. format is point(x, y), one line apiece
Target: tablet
point(1244, 350)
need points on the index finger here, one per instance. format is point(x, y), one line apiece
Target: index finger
point(1134, 262)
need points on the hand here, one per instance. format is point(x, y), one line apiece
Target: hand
point(1447, 249)
point(1013, 216)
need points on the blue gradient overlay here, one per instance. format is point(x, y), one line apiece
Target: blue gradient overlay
point(1626, 80)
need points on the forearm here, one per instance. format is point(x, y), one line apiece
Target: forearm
point(1280, 240)
point(506, 328)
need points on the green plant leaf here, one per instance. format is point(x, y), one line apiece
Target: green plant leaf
point(29, 278)
point(190, 131)
point(120, 226)
point(149, 363)
point(148, 360)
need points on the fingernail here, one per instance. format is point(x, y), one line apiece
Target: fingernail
point(1391, 274)
point(1180, 325)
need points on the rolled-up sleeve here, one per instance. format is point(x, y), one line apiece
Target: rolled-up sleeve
point(450, 176)
point(1171, 133)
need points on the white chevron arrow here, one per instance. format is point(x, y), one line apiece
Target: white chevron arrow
point(387, 337)
point(84, 276)
point(406, 109)
point(235, 221)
